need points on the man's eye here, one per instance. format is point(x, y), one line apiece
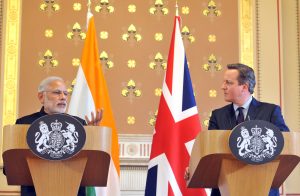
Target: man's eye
point(57, 92)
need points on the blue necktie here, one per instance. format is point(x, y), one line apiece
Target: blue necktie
point(240, 118)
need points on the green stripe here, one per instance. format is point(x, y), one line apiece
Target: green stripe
point(90, 191)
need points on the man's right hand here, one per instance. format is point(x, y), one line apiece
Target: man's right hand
point(186, 174)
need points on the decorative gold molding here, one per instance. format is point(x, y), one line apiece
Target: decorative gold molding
point(11, 46)
point(246, 32)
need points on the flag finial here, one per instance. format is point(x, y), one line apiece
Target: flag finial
point(89, 5)
point(176, 9)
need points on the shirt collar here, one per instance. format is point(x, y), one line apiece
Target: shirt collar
point(245, 106)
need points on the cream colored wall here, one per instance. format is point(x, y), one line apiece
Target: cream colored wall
point(290, 64)
point(277, 64)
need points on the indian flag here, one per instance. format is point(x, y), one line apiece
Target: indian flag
point(90, 93)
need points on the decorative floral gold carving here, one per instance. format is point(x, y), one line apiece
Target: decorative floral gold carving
point(158, 8)
point(185, 10)
point(12, 18)
point(49, 33)
point(158, 61)
point(76, 33)
point(105, 60)
point(206, 122)
point(76, 6)
point(131, 120)
point(132, 33)
point(70, 89)
point(50, 5)
point(75, 62)
point(212, 38)
point(158, 92)
point(211, 9)
point(158, 36)
point(131, 8)
point(185, 32)
point(131, 90)
point(212, 64)
point(104, 6)
point(131, 63)
point(212, 93)
point(104, 35)
point(153, 118)
point(246, 32)
point(48, 60)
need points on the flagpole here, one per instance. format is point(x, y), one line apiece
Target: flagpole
point(89, 5)
point(176, 9)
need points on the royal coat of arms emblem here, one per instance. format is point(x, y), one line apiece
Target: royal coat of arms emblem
point(56, 137)
point(256, 142)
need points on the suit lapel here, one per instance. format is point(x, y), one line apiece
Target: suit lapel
point(252, 110)
point(230, 117)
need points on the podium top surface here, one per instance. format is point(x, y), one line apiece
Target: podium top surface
point(14, 137)
point(97, 149)
point(212, 146)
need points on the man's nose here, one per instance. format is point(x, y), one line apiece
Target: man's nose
point(63, 95)
point(223, 86)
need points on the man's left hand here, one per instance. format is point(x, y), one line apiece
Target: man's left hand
point(95, 120)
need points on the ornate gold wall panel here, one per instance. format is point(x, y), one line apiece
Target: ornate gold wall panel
point(134, 39)
point(10, 60)
point(246, 32)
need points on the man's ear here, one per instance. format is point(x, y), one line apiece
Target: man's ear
point(41, 97)
point(246, 87)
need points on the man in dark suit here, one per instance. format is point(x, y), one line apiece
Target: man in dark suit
point(238, 87)
point(53, 95)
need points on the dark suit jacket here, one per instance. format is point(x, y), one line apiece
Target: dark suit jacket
point(224, 119)
point(29, 190)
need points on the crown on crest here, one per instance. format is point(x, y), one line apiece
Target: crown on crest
point(56, 126)
point(256, 131)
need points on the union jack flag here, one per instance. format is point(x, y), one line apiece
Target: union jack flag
point(176, 126)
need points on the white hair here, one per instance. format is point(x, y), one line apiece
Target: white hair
point(44, 83)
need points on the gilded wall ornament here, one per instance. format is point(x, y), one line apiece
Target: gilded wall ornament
point(212, 93)
point(132, 34)
point(104, 35)
point(131, 120)
point(212, 64)
point(130, 90)
point(185, 10)
point(158, 62)
point(70, 89)
point(131, 63)
point(75, 62)
point(206, 122)
point(49, 33)
point(206, 116)
point(105, 60)
point(185, 32)
point(76, 6)
point(158, 8)
point(131, 8)
point(211, 9)
point(158, 37)
point(76, 33)
point(158, 92)
point(49, 5)
point(212, 38)
point(104, 6)
point(48, 60)
point(152, 119)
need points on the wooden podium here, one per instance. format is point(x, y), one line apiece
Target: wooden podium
point(212, 165)
point(87, 168)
